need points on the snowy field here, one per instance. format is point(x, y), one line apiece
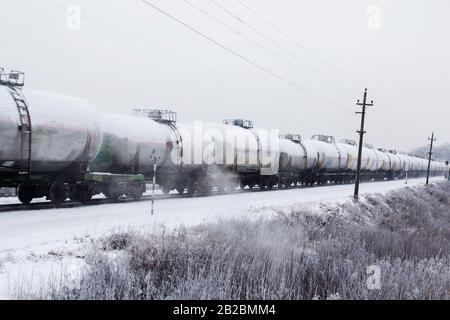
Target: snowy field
point(36, 245)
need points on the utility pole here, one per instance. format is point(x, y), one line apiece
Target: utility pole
point(155, 159)
point(361, 132)
point(432, 139)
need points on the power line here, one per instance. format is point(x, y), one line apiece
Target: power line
point(110, 39)
point(230, 83)
point(131, 36)
point(235, 53)
point(297, 43)
point(264, 48)
point(147, 53)
point(262, 34)
point(284, 49)
point(85, 29)
point(381, 103)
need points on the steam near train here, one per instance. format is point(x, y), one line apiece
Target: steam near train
point(59, 147)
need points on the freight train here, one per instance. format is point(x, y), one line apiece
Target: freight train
point(60, 147)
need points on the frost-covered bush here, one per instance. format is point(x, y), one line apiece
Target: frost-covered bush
point(307, 254)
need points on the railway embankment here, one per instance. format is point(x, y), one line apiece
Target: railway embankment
point(386, 246)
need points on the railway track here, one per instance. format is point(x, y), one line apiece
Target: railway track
point(74, 204)
point(96, 202)
point(158, 197)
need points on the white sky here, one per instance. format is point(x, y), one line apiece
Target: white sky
point(113, 62)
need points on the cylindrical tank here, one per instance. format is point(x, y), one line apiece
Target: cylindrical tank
point(384, 162)
point(65, 131)
point(221, 146)
point(414, 163)
point(349, 148)
point(371, 155)
point(296, 157)
point(129, 144)
point(405, 162)
point(329, 156)
point(396, 163)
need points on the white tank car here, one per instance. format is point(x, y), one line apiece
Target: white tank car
point(413, 163)
point(396, 163)
point(268, 153)
point(295, 156)
point(65, 131)
point(217, 145)
point(424, 164)
point(406, 162)
point(350, 148)
point(384, 162)
point(371, 155)
point(130, 142)
point(419, 164)
point(329, 156)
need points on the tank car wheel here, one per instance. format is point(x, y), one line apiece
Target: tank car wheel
point(112, 192)
point(180, 189)
point(165, 190)
point(25, 194)
point(192, 187)
point(58, 193)
point(134, 190)
point(84, 196)
point(288, 184)
point(205, 189)
point(137, 195)
point(114, 196)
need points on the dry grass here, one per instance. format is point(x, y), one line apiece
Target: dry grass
point(298, 255)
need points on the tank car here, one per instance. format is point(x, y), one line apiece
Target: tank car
point(396, 163)
point(46, 139)
point(219, 155)
point(349, 147)
point(331, 163)
point(372, 163)
point(330, 158)
point(384, 163)
point(297, 160)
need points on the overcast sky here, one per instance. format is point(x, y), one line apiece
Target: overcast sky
point(128, 54)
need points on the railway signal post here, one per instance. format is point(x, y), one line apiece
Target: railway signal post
point(447, 171)
point(361, 132)
point(432, 139)
point(155, 159)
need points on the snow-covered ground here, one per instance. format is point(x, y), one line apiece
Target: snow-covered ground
point(38, 244)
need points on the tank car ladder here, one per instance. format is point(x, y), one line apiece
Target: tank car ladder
point(25, 129)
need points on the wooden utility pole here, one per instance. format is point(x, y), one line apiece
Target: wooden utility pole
point(361, 132)
point(432, 139)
